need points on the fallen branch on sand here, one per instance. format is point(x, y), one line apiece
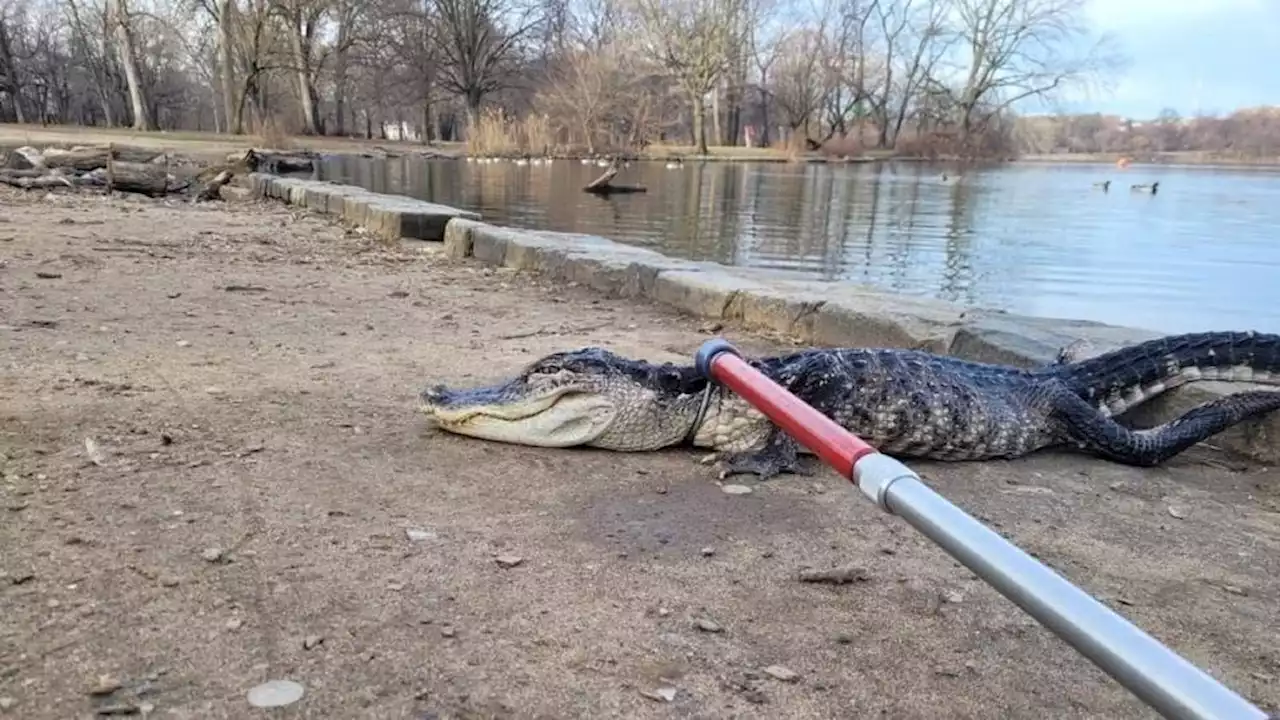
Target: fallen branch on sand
point(113, 168)
point(603, 184)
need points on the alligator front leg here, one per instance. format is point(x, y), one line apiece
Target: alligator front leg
point(1079, 350)
point(779, 454)
point(1102, 435)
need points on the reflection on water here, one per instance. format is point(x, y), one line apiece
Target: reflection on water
point(1031, 239)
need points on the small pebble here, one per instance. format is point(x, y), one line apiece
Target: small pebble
point(663, 612)
point(664, 694)
point(169, 581)
point(707, 625)
point(7, 702)
point(212, 554)
point(952, 596)
point(122, 708)
point(215, 391)
point(275, 693)
point(782, 672)
point(448, 631)
point(105, 685)
point(184, 343)
point(508, 561)
point(708, 551)
point(733, 489)
point(235, 624)
point(416, 535)
point(1177, 512)
point(835, 576)
point(311, 641)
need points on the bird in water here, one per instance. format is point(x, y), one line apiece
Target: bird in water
point(1145, 188)
point(1105, 185)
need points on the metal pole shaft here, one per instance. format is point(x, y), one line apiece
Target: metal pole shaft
point(1155, 674)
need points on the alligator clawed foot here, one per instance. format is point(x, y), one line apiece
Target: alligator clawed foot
point(763, 465)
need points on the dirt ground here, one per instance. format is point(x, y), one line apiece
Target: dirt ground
point(262, 501)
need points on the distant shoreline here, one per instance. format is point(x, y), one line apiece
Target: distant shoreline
point(216, 146)
point(1190, 158)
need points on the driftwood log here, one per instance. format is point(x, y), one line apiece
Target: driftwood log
point(112, 168)
point(603, 185)
point(275, 161)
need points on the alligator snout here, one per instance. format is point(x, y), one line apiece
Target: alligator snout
point(435, 395)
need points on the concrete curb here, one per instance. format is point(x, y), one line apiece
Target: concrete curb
point(389, 217)
point(817, 313)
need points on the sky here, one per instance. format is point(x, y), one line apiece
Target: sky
point(1208, 55)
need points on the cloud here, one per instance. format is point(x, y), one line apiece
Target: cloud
point(1191, 55)
point(1139, 14)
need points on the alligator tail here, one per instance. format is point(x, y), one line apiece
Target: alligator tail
point(1122, 379)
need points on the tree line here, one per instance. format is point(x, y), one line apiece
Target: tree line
point(843, 76)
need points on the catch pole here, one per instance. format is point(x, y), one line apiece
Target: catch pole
point(1161, 678)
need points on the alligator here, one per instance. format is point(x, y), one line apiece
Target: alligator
point(907, 403)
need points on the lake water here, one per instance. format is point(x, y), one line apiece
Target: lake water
point(1035, 239)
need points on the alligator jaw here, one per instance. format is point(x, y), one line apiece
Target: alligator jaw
point(502, 413)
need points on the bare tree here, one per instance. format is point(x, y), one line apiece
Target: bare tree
point(479, 48)
point(797, 87)
point(1019, 49)
point(121, 19)
point(302, 20)
point(693, 40)
point(844, 59)
point(915, 39)
point(584, 93)
point(349, 15)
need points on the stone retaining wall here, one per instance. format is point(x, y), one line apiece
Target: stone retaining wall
point(388, 216)
point(816, 312)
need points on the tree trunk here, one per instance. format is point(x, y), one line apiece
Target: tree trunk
point(428, 122)
point(765, 135)
point(340, 87)
point(717, 131)
point(699, 103)
point(129, 60)
point(734, 96)
point(10, 68)
point(428, 133)
point(231, 110)
point(107, 78)
point(473, 111)
point(302, 65)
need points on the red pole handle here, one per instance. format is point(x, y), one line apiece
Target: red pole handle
point(839, 448)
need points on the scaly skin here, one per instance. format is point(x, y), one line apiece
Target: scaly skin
point(907, 403)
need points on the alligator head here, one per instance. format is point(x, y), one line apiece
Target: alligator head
point(589, 397)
